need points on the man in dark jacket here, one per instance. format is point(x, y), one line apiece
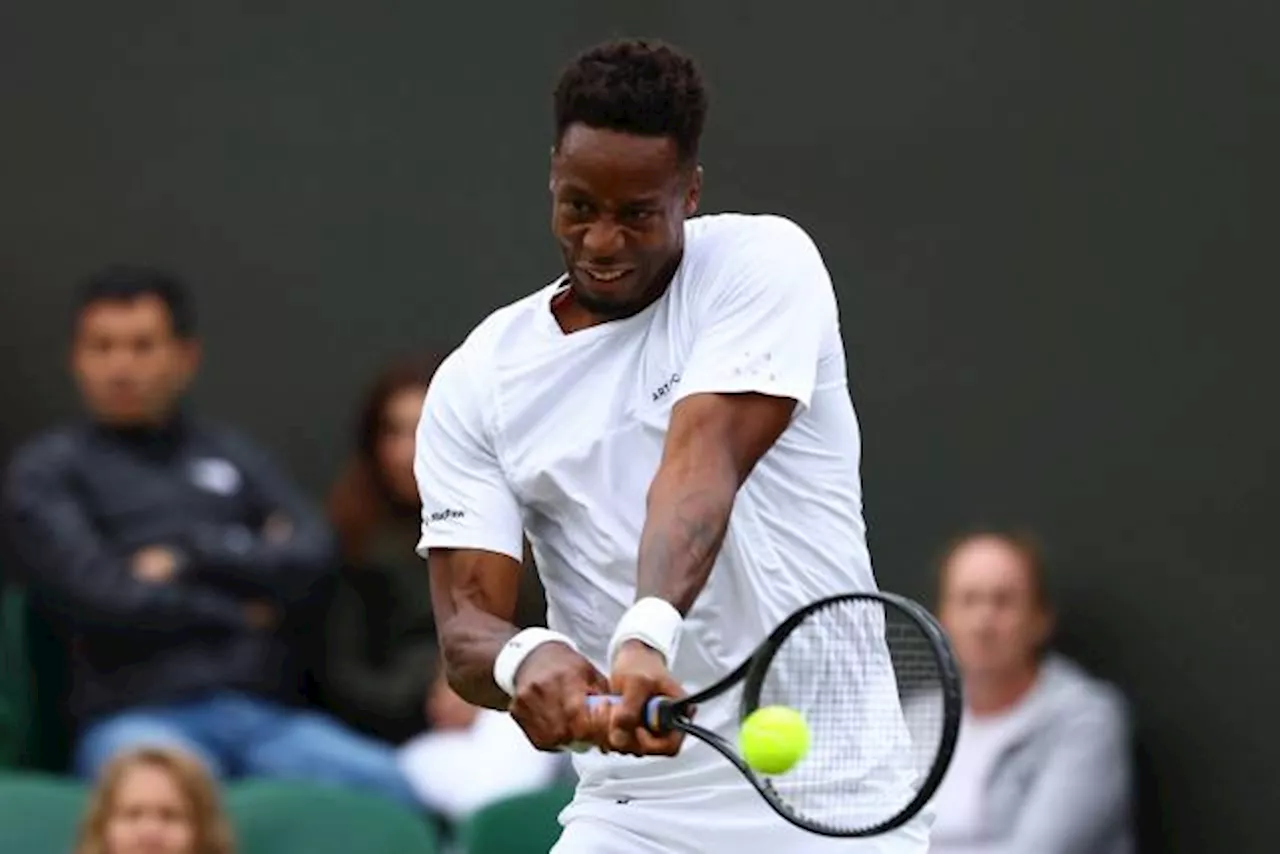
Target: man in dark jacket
point(175, 554)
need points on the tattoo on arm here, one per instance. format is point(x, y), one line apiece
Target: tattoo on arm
point(712, 445)
point(683, 531)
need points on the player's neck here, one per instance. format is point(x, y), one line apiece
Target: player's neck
point(991, 695)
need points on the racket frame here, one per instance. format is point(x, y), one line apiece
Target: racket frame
point(663, 714)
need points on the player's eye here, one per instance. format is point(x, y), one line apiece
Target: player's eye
point(638, 215)
point(577, 207)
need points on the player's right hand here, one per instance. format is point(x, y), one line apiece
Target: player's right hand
point(550, 702)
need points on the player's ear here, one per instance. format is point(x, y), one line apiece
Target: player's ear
point(693, 193)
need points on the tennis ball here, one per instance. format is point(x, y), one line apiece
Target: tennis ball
point(774, 739)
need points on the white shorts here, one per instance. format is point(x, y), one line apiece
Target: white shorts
point(730, 821)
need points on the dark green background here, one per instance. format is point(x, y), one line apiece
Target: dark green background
point(1048, 224)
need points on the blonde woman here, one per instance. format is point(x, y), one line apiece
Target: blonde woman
point(155, 801)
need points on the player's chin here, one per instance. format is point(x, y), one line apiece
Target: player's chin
point(607, 296)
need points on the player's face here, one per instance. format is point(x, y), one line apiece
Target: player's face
point(149, 815)
point(990, 609)
point(130, 365)
point(619, 202)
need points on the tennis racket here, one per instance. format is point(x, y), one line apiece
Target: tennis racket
point(876, 681)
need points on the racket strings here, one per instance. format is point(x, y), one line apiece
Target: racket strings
point(866, 679)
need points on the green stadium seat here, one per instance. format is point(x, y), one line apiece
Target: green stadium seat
point(294, 818)
point(524, 824)
point(39, 814)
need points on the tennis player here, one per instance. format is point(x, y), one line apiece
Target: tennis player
point(669, 423)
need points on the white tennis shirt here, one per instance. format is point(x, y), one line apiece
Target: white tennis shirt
point(527, 430)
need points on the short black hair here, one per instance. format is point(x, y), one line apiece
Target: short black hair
point(129, 282)
point(637, 86)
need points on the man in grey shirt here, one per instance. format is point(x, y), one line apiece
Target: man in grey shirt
point(1043, 764)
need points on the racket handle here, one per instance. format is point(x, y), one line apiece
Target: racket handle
point(653, 715)
point(653, 718)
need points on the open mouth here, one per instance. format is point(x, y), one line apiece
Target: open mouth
point(605, 277)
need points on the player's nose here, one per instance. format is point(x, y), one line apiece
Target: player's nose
point(602, 241)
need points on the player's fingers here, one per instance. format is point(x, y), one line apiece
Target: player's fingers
point(594, 682)
point(602, 724)
point(621, 733)
point(542, 734)
point(628, 715)
point(584, 716)
point(669, 687)
point(659, 745)
point(535, 709)
point(589, 726)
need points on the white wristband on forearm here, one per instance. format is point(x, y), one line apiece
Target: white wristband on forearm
point(516, 650)
point(652, 621)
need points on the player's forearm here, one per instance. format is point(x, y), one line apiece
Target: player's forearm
point(471, 641)
point(688, 513)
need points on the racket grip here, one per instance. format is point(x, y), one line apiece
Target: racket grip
point(652, 709)
point(653, 716)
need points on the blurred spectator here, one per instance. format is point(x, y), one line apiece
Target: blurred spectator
point(177, 555)
point(381, 651)
point(155, 801)
point(487, 755)
point(1043, 761)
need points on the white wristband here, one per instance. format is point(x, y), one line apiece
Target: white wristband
point(516, 650)
point(652, 621)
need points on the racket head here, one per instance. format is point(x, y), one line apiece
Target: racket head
point(875, 678)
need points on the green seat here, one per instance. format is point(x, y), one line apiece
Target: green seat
point(39, 814)
point(295, 818)
point(524, 824)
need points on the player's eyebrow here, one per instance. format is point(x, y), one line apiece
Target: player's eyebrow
point(567, 185)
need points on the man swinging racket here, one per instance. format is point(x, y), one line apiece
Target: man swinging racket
point(669, 424)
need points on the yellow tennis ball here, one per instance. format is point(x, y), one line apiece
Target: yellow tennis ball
point(774, 739)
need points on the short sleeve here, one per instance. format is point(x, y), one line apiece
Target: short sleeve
point(466, 501)
point(762, 320)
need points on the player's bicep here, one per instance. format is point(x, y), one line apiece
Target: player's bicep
point(728, 431)
point(763, 323)
point(473, 580)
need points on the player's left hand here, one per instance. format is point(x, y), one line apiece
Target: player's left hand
point(639, 673)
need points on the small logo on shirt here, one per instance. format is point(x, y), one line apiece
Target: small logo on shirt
point(445, 515)
point(215, 475)
point(665, 389)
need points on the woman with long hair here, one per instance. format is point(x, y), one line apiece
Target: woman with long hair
point(381, 652)
point(155, 800)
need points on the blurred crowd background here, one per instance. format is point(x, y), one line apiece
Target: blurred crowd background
point(1046, 228)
